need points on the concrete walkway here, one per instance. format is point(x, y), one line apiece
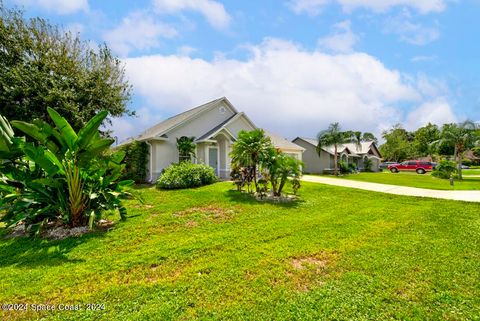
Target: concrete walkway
point(468, 196)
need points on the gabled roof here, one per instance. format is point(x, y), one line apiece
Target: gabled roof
point(162, 128)
point(283, 143)
point(222, 126)
point(352, 148)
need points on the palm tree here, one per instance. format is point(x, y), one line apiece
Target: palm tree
point(186, 148)
point(359, 137)
point(334, 136)
point(250, 149)
point(462, 136)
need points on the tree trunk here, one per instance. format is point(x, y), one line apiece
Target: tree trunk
point(335, 160)
point(255, 177)
point(282, 184)
point(459, 164)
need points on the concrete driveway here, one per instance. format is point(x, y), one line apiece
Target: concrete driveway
point(468, 196)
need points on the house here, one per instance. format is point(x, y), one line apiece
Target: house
point(348, 153)
point(214, 126)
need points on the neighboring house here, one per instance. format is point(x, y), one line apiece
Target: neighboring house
point(215, 127)
point(349, 153)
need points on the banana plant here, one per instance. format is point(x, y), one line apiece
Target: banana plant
point(62, 173)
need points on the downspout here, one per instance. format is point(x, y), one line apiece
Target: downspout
point(150, 161)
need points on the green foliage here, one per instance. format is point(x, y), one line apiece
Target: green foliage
point(334, 136)
point(280, 168)
point(61, 175)
point(462, 136)
point(444, 169)
point(424, 137)
point(136, 161)
point(343, 167)
point(186, 175)
point(249, 150)
point(367, 165)
point(398, 144)
point(42, 65)
point(186, 148)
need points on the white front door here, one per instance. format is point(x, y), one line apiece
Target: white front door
point(213, 158)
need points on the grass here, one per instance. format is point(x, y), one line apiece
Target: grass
point(214, 254)
point(471, 172)
point(416, 180)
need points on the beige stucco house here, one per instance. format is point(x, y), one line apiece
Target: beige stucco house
point(349, 153)
point(215, 127)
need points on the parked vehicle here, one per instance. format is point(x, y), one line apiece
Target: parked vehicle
point(419, 167)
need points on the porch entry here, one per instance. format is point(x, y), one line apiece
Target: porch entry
point(213, 158)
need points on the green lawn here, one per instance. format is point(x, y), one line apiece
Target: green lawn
point(211, 253)
point(415, 180)
point(471, 171)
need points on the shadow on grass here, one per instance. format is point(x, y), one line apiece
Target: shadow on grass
point(246, 198)
point(29, 252)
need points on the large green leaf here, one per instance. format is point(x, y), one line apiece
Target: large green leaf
point(37, 132)
point(37, 154)
point(87, 133)
point(100, 146)
point(64, 128)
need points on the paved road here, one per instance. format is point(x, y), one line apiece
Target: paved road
point(468, 196)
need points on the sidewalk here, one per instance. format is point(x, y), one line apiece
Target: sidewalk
point(468, 196)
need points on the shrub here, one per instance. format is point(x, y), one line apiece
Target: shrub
point(445, 169)
point(343, 166)
point(186, 175)
point(367, 165)
point(136, 159)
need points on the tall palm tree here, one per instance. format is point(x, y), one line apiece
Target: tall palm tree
point(462, 136)
point(359, 137)
point(336, 137)
point(250, 149)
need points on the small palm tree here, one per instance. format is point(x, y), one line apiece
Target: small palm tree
point(462, 136)
point(334, 136)
point(186, 148)
point(250, 149)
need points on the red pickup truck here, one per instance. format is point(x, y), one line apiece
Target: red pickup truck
point(412, 166)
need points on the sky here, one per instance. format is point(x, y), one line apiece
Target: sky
point(293, 66)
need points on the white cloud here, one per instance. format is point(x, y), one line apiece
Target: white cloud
point(138, 30)
point(281, 87)
point(342, 40)
point(313, 7)
point(410, 32)
point(437, 111)
point(57, 6)
point(213, 11)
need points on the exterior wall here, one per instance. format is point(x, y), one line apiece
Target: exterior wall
point(295, 153)
point(224, 164)
point(239, 124)
point(313, 163)
point(164, 154)
point(202, 124)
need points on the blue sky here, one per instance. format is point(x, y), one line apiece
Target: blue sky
point(293, 66)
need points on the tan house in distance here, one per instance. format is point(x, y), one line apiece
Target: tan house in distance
point(215, 127)
point(349, 153)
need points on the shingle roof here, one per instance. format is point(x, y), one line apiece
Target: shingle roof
point(164, 126)
point(282, 143)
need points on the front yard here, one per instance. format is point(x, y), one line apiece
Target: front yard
point(212, 253)
point(416, 180)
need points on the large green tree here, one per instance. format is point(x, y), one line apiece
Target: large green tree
point(43, 66)
point(397, 145)
point(424, 137)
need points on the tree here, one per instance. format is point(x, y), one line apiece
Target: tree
point(41, 65)
point(249, 150)
point(462, 136)
point(280, 168)
point(186, 148)
point(333, 136)
point(424, 137)
point(398, 144)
